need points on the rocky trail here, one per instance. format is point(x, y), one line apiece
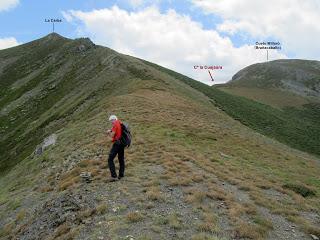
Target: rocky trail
point(145, 205)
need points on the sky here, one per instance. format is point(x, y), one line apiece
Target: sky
point(186, 36)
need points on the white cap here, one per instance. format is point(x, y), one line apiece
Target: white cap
point(113, 117)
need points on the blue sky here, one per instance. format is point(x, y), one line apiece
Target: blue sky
point(224, 32)
point(27, 19)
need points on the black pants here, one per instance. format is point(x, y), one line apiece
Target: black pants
point(116, 149)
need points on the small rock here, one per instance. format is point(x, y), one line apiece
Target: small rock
point(314, 237)
point(224, 155)
point(115, 209)
point(87, 221)
point(57, 176)
point(86, 176)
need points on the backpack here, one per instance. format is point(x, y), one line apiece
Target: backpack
point(125, 138)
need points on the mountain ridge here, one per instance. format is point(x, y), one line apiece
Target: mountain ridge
point(192, 172)
point(295, 75)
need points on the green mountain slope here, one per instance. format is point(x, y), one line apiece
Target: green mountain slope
point(297, 127)
point(301, 77)
point(192, 172)
point(46, 82)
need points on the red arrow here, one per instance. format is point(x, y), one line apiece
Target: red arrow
point(210, 75)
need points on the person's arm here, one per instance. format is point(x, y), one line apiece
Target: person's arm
point(111, 132)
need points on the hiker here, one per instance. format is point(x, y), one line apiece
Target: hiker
point(117, 148)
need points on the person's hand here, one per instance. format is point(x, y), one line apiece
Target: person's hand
point(109, 131)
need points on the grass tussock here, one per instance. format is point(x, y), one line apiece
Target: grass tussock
point(204, 236)
point(154, 194)
point(102, 208)
point(209, 224)
point(7, 229)
point(195, 196)
point(89, 162)
point(64, 232)
point(82, 215)
point(174, 221)
point(134, 217)
point(21, 215)
point(46, 189)
point(307, 226)
point(69, 179)
point(303, 190)
point(66, 184)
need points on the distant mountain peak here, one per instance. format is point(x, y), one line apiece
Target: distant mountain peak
point(295, 75)
point(54, 35)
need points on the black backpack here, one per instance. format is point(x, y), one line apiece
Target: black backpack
point(125, 138)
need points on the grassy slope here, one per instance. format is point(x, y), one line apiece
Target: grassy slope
point(298, 128)
point(35, 105)
point(273, 97)
point(269, 74)
point(181, 142)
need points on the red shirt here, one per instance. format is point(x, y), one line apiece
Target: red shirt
point(116, 128)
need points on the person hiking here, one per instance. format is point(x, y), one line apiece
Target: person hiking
point(116, 149)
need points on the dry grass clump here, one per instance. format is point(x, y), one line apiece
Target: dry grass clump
point(175, 221)
point(195, 196)
point(134, 217)
point(307, 226)
point(197, 178)
point(154, 194)
point(82, 215)
point(178, 180)
point(61, 230)
point(258, 230)
point(69, 179)
point(64, 232)
point(217, 193)
point(67, 184)
point(46, 189)
point(7, 229)
point(21, 215)
point(209, 224)
point(102, 208)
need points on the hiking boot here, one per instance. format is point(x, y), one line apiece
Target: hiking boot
point(119, 177)
point(112, 179)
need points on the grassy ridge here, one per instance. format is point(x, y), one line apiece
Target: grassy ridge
point(35, 105)
point(192, 171)
point(298, 128)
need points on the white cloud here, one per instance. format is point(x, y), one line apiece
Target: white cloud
point(136, 3)
point(294, 23)
point(67, 16)
point(169, 39)
point(8, 42)
point(8, 4)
